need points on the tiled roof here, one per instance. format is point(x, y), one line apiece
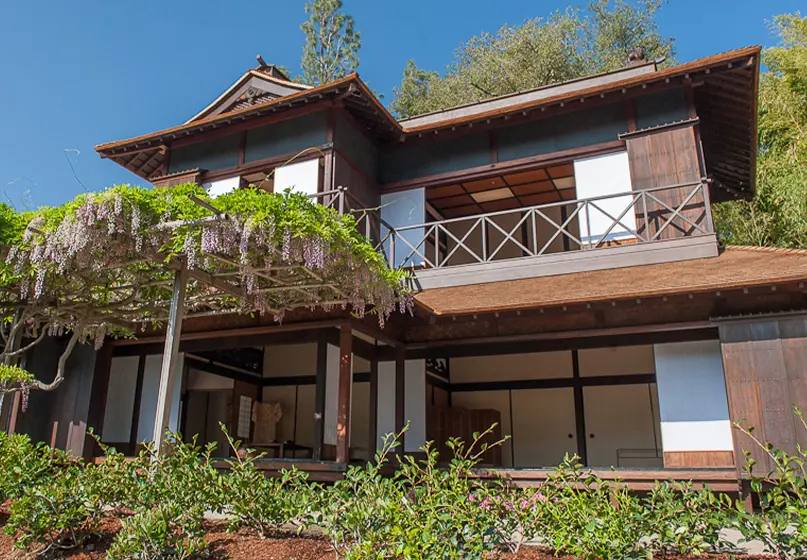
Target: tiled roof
point(735, 267)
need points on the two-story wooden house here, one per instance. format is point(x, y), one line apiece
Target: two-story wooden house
point(571, 286)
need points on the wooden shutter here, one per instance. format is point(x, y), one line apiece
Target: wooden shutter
point(664, 157)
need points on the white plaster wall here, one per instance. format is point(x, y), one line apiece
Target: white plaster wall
point(148, 401)
point(599, 176)
point(510, 367)
point(620, 360)
point(300, 177)
point(223, 186)
point(120, 399)
point(415, 404)
point(403, 209)
point(204, 381)
point(286, 360)
point(386, 401)
point(692, 397)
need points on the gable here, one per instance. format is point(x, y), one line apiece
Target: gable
point(253, 88)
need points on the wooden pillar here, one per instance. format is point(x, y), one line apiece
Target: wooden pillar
point(400, 395)
point(98, 396)
point(345, 385)
point(170, 357)
point(319, 397)
point(373, 438)
point(141, 373)
point(579, 410)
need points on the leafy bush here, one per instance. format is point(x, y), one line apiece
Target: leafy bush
point(58, 513)
point(781, 523)
point(592, 518)
point(685, 520)
point(265, 504)
point(24, 464)
point(419, 512)
point(167, 531)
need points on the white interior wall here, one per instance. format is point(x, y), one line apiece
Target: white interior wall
point(360, 422)
point(288, 360)
point(300, 177)
point(598, 176)
point(511, 367)
point(415, 404)
point(203, 381)
point(621, 360)
point(385, 420)
point(490, 400)
point(692, 397)
point(148, 400)
point(543, 420)
point(620, 417)
point(306, 396)
point(222, 186)
point(403, 209)
point(120, 399)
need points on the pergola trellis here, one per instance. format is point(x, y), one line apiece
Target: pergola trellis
point(146, 283)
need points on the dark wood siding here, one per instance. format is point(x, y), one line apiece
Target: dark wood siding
point(766, 374)
point(662, 158)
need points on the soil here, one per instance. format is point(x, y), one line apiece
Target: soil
point(244, 546)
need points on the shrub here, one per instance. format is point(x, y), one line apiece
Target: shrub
point(24, 464)
point(420, 512)
point(167, 531)
point(58, 513)
point(781, 523)
point(264, 504)
point(685, 520)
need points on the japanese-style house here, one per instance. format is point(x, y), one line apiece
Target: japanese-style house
point(571, 285)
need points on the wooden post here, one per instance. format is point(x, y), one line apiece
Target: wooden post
point(170, 357)
point(373, 443)
point(345, 383)
point(319, 396)
point(98, 398)
point(579, 410)
point(400, 396)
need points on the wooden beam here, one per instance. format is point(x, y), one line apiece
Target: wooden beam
point(319, 396)
point(170, 358)
point(400, 395)
point(141, 371)
point(579, 410)
point(98, 396)
point(373, 443)
point(554, 383)
point(345, 386)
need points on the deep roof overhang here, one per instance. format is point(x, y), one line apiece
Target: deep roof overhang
point(726, 99)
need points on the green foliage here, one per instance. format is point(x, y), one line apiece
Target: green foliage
point(685, 520)
point(541, 51)
point(25, 465)
point(781, 523)
point(58, 513)
point(166, 531)
point(14, 375)
point(331, 49)
point(777, 216)
point(419, 512)
point(264, 504)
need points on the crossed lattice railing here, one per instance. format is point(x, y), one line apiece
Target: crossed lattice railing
point(642, 216)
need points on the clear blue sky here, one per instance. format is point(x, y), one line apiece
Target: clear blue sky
point(76, 74)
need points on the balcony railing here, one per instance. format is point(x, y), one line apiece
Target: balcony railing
point(635, 217)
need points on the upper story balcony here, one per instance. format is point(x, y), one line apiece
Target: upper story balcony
point(618, 230)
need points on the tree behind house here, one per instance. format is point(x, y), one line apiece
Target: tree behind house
point(540, 51)
point(332, 45)
point(777, 216)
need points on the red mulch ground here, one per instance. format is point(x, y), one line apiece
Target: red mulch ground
point(226, 546)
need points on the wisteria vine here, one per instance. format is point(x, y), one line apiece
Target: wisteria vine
point(103, 262)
